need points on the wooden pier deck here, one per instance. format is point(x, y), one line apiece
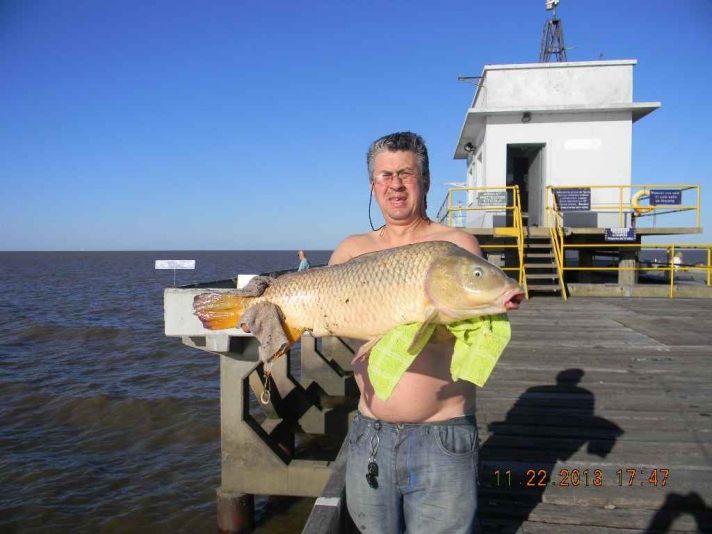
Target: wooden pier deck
point(598, 418)
point(593, 403)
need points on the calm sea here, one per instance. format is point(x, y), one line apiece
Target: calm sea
point(106, 425)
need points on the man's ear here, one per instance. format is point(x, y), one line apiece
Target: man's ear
point(426, 183)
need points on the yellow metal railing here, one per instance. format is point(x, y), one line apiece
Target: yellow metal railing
point(556, 232)
point(635, 206)
point(668, 267)
point(448, 211)
point(636, 209)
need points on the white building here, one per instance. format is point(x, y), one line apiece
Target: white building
point(551, 124)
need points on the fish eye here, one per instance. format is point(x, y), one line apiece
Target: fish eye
point(478, 272)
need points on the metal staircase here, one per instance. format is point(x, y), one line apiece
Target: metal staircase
point(542, 275)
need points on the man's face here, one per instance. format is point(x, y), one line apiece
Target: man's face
point(398, 201)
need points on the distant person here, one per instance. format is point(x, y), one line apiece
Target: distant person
point(303, 261)
point(677, 261)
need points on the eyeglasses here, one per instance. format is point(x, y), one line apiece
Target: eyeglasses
point(406, 176)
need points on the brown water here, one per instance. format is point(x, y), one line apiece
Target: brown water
point(106, 425)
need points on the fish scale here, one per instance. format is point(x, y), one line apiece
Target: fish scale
point(370, 294)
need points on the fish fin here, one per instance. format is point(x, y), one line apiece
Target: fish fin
point(365, 349)
point(218, 311)
point(293, 333)
point(424, 332)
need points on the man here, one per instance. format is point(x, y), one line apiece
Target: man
point(418, 447)
point(303, 261)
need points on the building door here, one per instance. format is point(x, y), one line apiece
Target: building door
point(525, 168)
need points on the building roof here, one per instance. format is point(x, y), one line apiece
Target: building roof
point(589, 91)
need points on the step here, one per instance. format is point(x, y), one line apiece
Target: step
point(544, 276)
point(537, 287)
point(540, 255)
point(540, 266)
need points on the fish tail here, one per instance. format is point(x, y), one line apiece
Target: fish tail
point(218, 311)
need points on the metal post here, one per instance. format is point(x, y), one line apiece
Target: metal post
point(671, 266)
point(236, 512)
point(449, 207)
point(620, 207)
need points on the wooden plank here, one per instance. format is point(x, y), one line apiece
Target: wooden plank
point(672, 330)
point(658, 437)
point(545, 423)
point(329, 513)
point(613, 402)
point(551, 516)
point(591, 452)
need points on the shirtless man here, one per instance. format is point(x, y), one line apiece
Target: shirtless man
point(423, 438)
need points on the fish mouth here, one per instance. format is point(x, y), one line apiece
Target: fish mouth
point(490, 308)
point(512, 299)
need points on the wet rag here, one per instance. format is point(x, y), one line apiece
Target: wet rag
point(479, 342)
point(264, 320)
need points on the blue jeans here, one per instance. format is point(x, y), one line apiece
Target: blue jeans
point(427, 476)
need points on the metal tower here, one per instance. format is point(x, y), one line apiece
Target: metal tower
point(552, 39)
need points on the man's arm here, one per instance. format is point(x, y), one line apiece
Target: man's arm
point(345, 251)
point(467, 241)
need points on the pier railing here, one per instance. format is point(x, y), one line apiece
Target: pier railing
point(636, 208)
point(259, 456)
point(556, 231)
point(669, 271)
point(629, 205)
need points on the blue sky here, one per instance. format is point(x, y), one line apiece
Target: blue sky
point(164, 125)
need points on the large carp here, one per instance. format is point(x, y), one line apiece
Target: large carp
point(365, 297)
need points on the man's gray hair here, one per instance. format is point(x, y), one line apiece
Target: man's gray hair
point(401, 141)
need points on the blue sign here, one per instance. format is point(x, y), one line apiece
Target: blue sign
point(573, 199)
point(665, 197)
point(620, 234)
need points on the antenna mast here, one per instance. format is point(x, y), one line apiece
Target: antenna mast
point(552, 39)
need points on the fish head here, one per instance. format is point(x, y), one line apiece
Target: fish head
point(463, 285)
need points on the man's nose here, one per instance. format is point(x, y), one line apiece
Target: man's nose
point(399, 185)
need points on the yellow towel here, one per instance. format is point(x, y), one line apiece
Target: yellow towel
point(479, 343)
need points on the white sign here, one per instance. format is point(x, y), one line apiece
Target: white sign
point(175, 264)
point(242, 280)
point(620, 234)
point(492, 199)
point(583, 144)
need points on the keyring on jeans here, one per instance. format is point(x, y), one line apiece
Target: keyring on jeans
point(266, 394)
point(374, 448)
point(372, 467)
